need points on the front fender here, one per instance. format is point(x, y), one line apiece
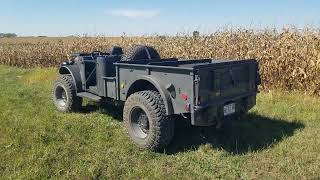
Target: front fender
point(74, 71)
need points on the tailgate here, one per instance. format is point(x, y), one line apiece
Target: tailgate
point(221, 80)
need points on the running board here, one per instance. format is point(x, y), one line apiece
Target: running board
point(90, 96)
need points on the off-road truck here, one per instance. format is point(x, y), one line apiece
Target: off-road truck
point(155, 91)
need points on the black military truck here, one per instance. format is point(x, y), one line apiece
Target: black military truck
point(155, 91)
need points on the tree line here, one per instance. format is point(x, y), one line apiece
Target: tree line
point(7, 35)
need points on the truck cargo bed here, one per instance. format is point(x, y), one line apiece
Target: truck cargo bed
point(183, 64)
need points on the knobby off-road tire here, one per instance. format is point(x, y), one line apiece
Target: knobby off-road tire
point(139, 52)
point(160, 128)
point(64, 94)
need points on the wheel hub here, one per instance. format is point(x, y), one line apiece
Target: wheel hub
point(143, 123)
point(139, 122)
point(61, 96)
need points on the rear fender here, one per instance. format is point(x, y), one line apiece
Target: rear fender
point(161, 89)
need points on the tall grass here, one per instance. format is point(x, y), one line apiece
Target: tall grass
point(289, 59)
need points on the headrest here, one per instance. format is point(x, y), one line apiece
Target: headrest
point(116, 50)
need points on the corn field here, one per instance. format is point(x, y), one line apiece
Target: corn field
point(289, 59)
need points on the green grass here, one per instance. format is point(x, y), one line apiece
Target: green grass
point(278, 139)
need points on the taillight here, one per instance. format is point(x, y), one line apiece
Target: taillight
point(184, 96)
point(187, 107)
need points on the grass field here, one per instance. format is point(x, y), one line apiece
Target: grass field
point(278, 139)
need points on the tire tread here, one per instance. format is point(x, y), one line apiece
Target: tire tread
point(163, 124)
point(74, 102)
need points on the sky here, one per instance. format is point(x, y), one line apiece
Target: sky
point(149, 17)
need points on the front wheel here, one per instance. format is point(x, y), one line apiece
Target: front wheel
point(64, 94)
point(146, 122)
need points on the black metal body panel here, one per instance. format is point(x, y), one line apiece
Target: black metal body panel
point(181, 83)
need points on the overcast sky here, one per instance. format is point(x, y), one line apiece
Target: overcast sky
point(145, 17)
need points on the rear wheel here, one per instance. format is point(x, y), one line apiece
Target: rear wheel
point(146, 122)
point(64, 94)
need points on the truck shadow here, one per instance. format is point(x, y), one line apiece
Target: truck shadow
point(104, 108)
point(252, 132)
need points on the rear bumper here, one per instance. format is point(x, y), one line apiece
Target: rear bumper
point(209, 114)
